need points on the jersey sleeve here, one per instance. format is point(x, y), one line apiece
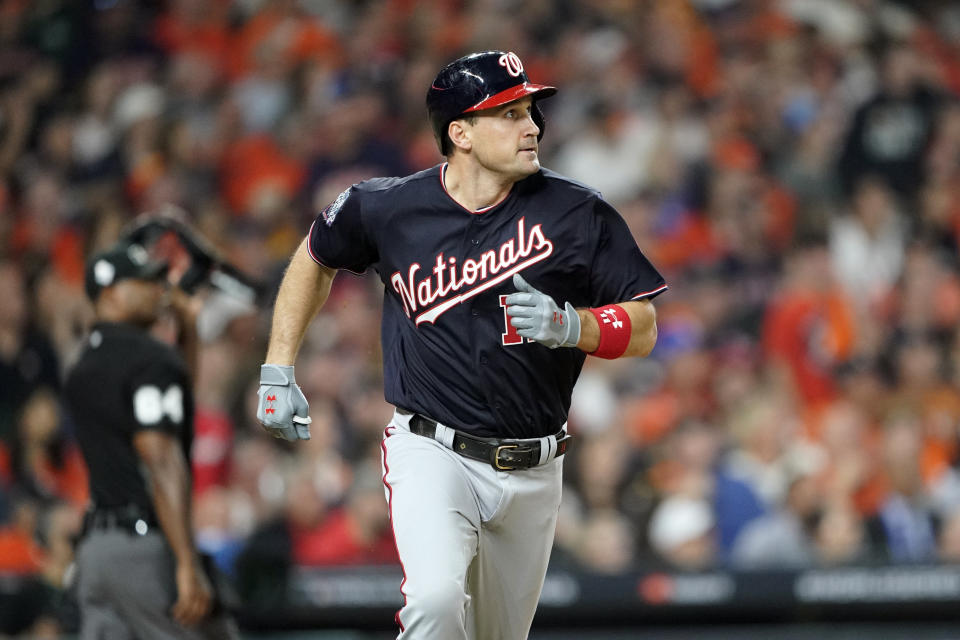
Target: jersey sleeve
point(160, 397)
point(619, 271)
point(338, 239)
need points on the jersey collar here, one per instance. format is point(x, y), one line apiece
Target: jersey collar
point(443, 184)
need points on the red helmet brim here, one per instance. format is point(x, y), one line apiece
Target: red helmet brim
point(511, 94)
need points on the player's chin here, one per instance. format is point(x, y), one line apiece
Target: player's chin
point(528, 161)
point(144, 319)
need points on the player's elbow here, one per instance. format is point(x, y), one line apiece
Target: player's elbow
point(643, 317)
point(651, 340)
point(643, 342)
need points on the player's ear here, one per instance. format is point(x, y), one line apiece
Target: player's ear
point(460, 133)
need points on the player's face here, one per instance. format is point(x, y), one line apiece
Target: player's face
point(142, 300)
point(504, 139)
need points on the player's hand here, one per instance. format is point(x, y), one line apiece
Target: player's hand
point(184, 306)
point(282, 408)
point(194, 594)
point(537, 316)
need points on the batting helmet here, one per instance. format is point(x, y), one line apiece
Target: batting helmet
point(480, 81)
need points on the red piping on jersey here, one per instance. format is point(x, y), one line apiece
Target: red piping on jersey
point(443, 171)
point(386, 470)
point(309, 240)
point(650, 293)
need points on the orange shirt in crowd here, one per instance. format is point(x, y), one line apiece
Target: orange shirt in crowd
point(810, 333)
point(206, 35)
point(69, 482)
point(300, 38)
point(18, 552)
point(256, 163)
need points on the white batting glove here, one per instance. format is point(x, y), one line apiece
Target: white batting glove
point(537, 316)
point(282, 408)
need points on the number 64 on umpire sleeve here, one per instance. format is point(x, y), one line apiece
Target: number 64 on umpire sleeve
point(150, 405)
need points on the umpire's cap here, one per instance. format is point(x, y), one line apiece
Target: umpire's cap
point(121, 261)
point(479, 81)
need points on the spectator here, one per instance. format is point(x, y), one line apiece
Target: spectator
point(356, 533)
point(218, 536)
point(692, 469)
point(19, 551)
point(682, 534)
point(905, 527)
point(948, 543)
point(809, 326)
point(783, 538)
point(840, 537)
point(27, 359)
point(867, 246)
point(606, 543)
point(613, 152)
point(762, 428)
point(44, 462)
point(890, 133)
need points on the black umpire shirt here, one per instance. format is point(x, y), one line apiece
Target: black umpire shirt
point(126, 381)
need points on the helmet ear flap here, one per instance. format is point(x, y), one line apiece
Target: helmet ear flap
point(538, 119)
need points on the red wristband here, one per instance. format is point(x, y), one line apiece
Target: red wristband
point(614, 323)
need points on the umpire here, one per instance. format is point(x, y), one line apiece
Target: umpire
point(140, 575)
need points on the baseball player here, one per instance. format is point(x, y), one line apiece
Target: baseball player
point(499, 278)
point(140, 575)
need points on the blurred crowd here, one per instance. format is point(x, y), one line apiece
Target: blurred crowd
point(791, 166)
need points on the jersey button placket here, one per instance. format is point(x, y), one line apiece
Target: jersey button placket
point(467, 250)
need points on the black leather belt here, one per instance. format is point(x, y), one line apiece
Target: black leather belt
point(129, 519)
point(502, 454)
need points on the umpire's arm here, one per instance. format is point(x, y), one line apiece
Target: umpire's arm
point(304, 290)
point(168, 478)
point(643, 329)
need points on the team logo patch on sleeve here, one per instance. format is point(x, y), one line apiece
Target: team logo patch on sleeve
point(330, 213)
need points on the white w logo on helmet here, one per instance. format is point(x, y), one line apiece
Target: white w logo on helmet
point(512, 63)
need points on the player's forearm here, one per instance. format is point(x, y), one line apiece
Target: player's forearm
point(189, 343)
point(304, 289)
point(643, 329)
point(169, 484)
point(186, 310)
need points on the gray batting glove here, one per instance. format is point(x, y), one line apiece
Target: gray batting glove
point(537, 316)
point(282, 408)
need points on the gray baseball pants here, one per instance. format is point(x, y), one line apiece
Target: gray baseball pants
point(127, 587)
point(474, 542)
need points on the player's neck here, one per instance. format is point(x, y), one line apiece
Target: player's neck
point(474, 187)
point(113, 312)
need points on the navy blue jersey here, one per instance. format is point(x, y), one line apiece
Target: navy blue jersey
point(449, 350)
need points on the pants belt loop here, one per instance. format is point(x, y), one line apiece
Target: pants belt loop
point(444, 435)
point(548, 448)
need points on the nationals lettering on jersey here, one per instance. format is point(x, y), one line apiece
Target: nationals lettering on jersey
point(492, 268)
point(444, 270)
